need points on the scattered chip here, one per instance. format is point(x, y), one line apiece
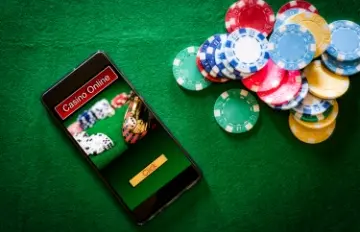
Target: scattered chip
point(246, 50)
point(318, 27)
point(325, 122)
point(323, 83)
point(186, 72)
point(343, 68)
point(255, 14)
point(292, 46)
point(203, 55)
point(311, 136)
point(288, 89)
point(236, 111)
point(345, 40)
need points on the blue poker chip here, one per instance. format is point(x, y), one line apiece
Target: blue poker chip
point(210, 55)
point(246, 50)
point(345, 40)
point(312, 105)
point(223, 64)
point(343, 68)
point(202, 54)
point(297, 100)
point(292, 46)
point(281, 18)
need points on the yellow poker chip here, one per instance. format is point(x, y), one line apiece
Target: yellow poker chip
point(322, 123)
point(311, 136)
point(324, 83)
point(318, 26)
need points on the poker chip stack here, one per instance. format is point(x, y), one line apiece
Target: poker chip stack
point(293, 61)
point(86, 119)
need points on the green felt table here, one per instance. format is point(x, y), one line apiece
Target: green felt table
point(265, 180)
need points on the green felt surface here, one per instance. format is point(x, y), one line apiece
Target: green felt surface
point(261, 181)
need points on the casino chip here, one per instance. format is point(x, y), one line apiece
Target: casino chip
point(312, 118)
point(298, 4)
point(205, 56)
point(318, 27)
point(266, 79)
point(311, 136)
point(236, 111)
point(312, 105)
point(255, 14)
point(246, 50)
point(298, 98)
point(281, 18)
point(210, 54)
point(288, 89)
point(225, 67)
point(323, 83)
point(186, 72)
point(207, 75)
point(292, 46)
point(343, 68)
point(345, 40)
point(321, 123)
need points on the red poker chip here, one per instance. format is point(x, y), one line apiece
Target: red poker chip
point(298, 4)
point(288, 89)
point(207, 75)
point(230, 17)
point(255, 14)
point(266, 79)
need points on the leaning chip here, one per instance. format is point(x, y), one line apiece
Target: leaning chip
point(186, 72)
point(236, 111)
point(266, 79)
point(208, 76)
point(298, 98)
point(318, 27)
point(343, 68)
point(246, 50)
point(311, 136)
point(323, 83)
point(313, 118)
point(323, 122)
point(288, 89)
point(312, 105)
point(292, 46)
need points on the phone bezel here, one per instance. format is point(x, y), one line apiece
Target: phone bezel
point(74, 80)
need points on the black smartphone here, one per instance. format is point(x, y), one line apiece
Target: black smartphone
point(124, 141)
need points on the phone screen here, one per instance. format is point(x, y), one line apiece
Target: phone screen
point(124, 141)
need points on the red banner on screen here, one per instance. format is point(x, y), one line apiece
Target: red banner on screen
point(89, 90)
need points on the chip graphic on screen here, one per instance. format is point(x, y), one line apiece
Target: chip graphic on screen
point(143, 174)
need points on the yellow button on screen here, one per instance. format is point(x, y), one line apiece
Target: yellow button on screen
point(148, 170)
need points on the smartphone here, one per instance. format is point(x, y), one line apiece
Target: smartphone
point(123, 140)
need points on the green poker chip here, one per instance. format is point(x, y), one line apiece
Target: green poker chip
point(313, 118)
point(236, 111)
point(186, 72)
